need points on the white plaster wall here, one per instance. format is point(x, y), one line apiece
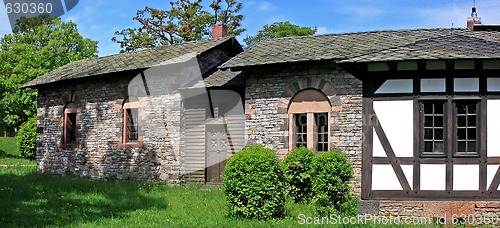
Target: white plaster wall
point(466, 177)
point(384, 177)
point(432, 177)
point(378, 150)
point(493, 128)
point(491, 170)
point(396, 118)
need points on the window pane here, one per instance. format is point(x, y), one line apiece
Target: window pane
point(471, 108)
point(461, 134)
point(493, 84)
point(471, 133)
point(438, 121)
point(466, 84)
point(70, 128)
point(461, 108)
point(396, 86)
point(433, 85)
point(471, 147)
point(462, 121)
point(301, 129)
point(428, 147)
point(428, 121)
point(461, 146)
point(321, 120)
point(438, 134)
point(471, 121)
point(428, 134)
point(428, 108)
point(438, 147)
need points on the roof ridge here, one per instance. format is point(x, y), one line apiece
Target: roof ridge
point(395, 47)
point(157, 48)
point(364, 32)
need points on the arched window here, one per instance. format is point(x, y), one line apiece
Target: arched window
point(130, 120)
point(70, 124)
point(309, 112)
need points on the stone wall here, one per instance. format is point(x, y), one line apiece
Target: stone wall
point(268, 93)
point(479, 213)
point(100, 152)
point(99, 127)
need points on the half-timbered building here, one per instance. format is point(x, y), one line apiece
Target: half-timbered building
point(415, 111)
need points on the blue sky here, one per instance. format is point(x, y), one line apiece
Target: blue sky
point(99, 19)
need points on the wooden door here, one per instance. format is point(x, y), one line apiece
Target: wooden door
point(216, 152)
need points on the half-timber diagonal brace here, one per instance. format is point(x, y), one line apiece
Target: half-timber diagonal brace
point(390, 154)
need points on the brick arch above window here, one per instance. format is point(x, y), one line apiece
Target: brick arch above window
point(309, 100)
point(309, 83)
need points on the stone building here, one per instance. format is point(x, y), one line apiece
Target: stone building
point(413, 110)
point(131, 115)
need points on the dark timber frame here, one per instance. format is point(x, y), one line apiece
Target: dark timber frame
point(373, 80)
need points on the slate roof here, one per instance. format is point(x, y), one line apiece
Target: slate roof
point(222, 78)
point(372, 47)
point(125, 61)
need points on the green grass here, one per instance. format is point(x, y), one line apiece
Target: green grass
point(30, 199)
point(9, 154)
point(8, 146)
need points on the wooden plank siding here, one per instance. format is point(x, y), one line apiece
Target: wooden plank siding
point(194, 144)
point(236, 138)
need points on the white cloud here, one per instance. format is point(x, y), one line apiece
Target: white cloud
point(324, 30)
point(362, 11)
point(266, 6)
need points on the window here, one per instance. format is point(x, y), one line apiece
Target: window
point(131, 126)
point(309, 113)
point(130, 121)
point(69, 124)
point(434, 129)
point(466, 128)
point(321, 127)
point(301, 130)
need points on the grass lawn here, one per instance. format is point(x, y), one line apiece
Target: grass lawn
point(30, 199)
point(9, 155)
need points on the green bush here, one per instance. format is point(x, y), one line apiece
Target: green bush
point(297, 169)
point(331, 173)
point(254, 184)
point(26, 139)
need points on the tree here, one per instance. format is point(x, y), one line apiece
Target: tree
point(185, 21)
point(279, 29)
point(37, 46)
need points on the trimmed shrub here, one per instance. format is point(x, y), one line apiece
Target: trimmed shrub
point(330, 182)
point(297, 170)
point(26, 139)
point(254, 184)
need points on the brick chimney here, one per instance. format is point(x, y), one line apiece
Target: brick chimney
point(473, 19)
point(219, 31)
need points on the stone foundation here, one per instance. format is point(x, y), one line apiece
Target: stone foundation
point(449, 212)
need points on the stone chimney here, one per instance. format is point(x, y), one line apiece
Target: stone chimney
point(219, 31)
point(473, 19)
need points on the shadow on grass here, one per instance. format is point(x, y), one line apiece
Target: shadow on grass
point(30, 199)
point(3, 154)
